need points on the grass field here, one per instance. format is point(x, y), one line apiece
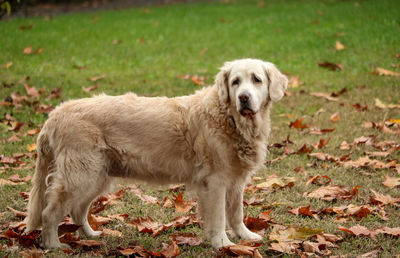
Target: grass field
point(148, 50)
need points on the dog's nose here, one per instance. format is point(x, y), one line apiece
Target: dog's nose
point(244, 97)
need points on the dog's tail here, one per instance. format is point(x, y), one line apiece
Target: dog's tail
point(37, 202)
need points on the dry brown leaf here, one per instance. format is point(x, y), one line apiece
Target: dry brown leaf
point(14, 138)
point(381, 105)
point(359, 231)
point(298, 124)
point(384, 72)
point(6, 182)
point(277, 182)
point(181, 205)
point(96, 78)
point(319, 180)
point(7, 65)
point(391, 182)
point(305, 211)
point(339, 46)
point(332, 192)
point(32, 132)
point(293, 233)
point(27, 50)
point(331, 66)
point(111, 232)
point(319, 131)
point(90, 88)
point(294, 82)
point(380, 199)
point(190, 239)
point(324, 95)
point(335, 117)
point(284, 247)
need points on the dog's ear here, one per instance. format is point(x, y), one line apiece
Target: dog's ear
point(221, 80)
point(277, 82)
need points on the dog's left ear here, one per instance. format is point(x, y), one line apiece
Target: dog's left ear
point(278, 82)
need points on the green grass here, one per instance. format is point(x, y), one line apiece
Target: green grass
point(158, 46)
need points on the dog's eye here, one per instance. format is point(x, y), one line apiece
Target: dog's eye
point(256, 79)
point(236, 82)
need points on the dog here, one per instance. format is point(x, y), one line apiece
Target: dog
point(212, 141)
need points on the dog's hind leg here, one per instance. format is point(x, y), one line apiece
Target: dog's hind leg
point(82, 201)
point(53, 213)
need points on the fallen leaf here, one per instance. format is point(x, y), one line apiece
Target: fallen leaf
point(359, 231)
point(198, 80)
point(31, 147)
point(294, 82)
point(381, 105)
point(239, 250)
point(305, 211)
point(32, 132)
point(319, 180)
point(89, 243)
point(372, 254)
point(6, 182)
point(293, 233)
point(25, 27)
point(324, 95)
point(182, 205)
point(380, 199)
point(111, 232)
point(257, 225)
point(16, 179)
point(277, 182)
point(360, 108)
point(90, 88)
point(335, 117)
point(27, 50)
point(324, 156)
point(318, 131)
point(339, 46)
point(96, 78)
point(144, 197)
point(17, 213)
point(298, 124)
point(321, 144)
point(284, 247)
point(14, 138)
point(384, 72)
point(147, 225)
point(171, 250)
point(391, 182)
point(7, 65)
point(331, 66)
point(332, 192)
point(15, 126)
point(190, 239)
point(25, 240)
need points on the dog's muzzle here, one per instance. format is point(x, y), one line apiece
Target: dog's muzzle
point(245, 107)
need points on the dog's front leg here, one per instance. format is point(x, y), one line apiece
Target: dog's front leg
point(212, 210)
point(234, 212)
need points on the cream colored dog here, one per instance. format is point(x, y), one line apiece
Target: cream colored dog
point(212, 141)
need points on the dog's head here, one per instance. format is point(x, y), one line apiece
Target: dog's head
point(248, 84)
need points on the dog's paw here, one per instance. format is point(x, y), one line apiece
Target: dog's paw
point(251, 236)
point(244, 233)
point(55, 245)
point(220, 240)
point(93, 233)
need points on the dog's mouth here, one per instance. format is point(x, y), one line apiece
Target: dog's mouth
point(247, 112)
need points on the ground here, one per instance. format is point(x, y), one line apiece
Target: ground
point(174, 50)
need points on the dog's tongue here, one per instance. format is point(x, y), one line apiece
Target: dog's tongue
point(247, 112)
